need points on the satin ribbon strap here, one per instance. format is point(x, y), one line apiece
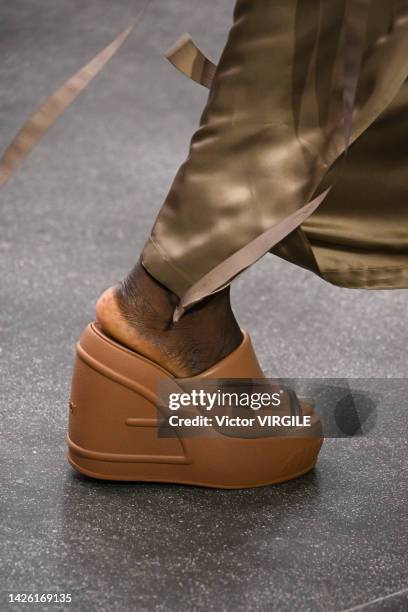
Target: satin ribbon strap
point(188, 59)
point(226, 271)
point(55, 105)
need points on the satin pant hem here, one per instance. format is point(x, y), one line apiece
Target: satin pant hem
point(159, 265)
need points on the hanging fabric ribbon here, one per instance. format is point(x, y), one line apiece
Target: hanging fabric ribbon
point(56, 104)
point(188, 59)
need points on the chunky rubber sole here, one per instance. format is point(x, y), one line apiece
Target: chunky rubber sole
point(113, 426)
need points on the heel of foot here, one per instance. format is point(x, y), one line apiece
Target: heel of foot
point(109, 316)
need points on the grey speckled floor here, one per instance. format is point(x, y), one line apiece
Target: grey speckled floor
point(72, 222)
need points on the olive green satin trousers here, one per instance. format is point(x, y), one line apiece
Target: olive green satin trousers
point(272, 137)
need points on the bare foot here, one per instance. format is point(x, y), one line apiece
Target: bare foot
point(139, 314)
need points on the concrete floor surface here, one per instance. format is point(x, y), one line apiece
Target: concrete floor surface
point(73, 220)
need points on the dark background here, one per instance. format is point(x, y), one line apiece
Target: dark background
point(73, 220)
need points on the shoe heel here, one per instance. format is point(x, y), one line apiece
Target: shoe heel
point(113, 422)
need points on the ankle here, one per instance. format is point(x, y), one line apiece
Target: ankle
point(139, 313)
